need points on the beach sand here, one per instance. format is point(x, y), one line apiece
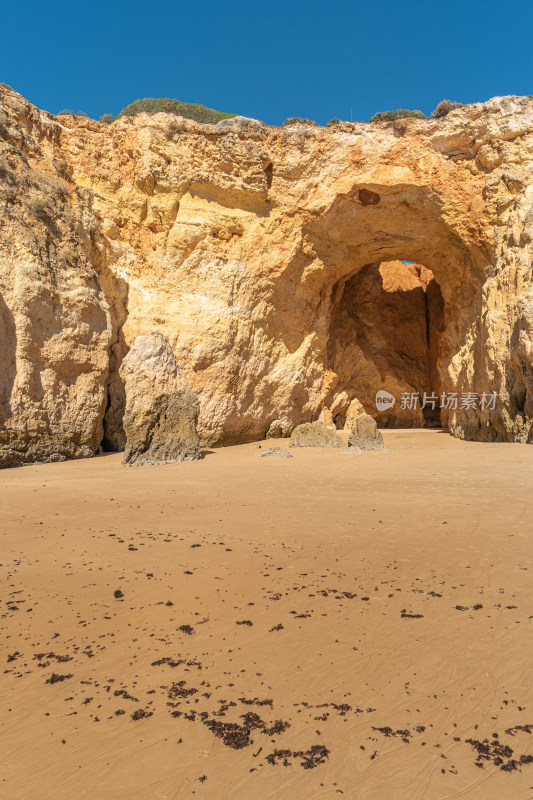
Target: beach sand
point(358, 619)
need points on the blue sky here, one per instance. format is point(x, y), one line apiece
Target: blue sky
point(267, 60)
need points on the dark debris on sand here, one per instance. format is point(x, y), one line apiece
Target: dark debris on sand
point(55, 678)
point(238, 736)
point(311, 758)
point(501, 755)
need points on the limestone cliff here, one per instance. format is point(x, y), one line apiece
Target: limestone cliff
point(55, 323)
point(249, 248)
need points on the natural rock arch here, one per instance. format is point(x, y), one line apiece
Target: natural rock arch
point(404, 223)
point(363, 227)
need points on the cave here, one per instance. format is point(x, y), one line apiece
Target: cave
point(385, 334)
point(402, 297)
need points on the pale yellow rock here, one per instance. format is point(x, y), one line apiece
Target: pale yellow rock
point(326, 417)
point(355, 409)
point(161, 410)
point(315, 434)
point(55, 323)
point(279, 429)
point(243, 245)
point(365, 434)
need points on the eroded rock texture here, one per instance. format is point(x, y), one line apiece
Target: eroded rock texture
point(55, 322)
point(385, 334)
point(365, 434)
point(260, 254)
point(315, 434)
point(276, 452)
point(161, 409)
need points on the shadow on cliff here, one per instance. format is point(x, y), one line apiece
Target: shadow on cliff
point(386, 336)
point(8, 349)
point(116, 291)
point(519, 383)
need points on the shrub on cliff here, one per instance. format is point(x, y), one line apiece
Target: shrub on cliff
point(67, 113)
point(398, 113)
point(154, 105)
point(299, 121)
point(334, 121)
point(444, 107)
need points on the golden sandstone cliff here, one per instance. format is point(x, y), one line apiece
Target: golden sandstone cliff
point(270, 258)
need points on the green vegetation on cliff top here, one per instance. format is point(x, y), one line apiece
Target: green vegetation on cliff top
point(153, 105)
point(398, 113)
point(201, 113)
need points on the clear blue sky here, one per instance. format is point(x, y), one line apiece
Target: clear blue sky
point(267, 60)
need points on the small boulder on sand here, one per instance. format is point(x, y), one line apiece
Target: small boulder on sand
point(365, 434)
point(274, 451)
point(315, 434)
point(161, 408)
point(279, 429)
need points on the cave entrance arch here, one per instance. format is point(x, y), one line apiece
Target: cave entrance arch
point(420, 220)
point(385, 334)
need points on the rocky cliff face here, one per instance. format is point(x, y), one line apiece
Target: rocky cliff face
point(251, 248)
point(55, 323)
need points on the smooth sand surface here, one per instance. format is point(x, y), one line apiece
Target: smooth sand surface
point(386, 592)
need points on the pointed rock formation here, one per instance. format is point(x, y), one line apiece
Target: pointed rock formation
point(161, 408)
point(365, 434)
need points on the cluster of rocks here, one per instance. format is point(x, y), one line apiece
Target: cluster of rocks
point(161, 413)
point(363, 435)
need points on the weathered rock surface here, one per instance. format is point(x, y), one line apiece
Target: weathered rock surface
point(279, 429)
point(161, 409)
point(354, 410)
point(365, 434)
point(248, 247)
point(385, 336)
point(278, 452)
point(315, 434)
point(55, 322)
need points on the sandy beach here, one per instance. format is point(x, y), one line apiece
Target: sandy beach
point(324, 626)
